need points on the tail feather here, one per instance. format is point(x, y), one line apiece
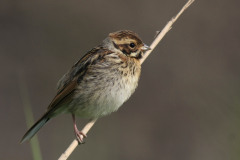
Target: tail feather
point(34, 129)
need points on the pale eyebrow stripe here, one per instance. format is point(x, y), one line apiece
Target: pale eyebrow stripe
point(124, 41)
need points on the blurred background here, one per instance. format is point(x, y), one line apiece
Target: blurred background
point(187, 105)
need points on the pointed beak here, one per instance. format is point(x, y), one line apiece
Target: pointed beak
point(145, 48)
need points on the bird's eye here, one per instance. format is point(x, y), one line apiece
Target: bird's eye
point(132, 45)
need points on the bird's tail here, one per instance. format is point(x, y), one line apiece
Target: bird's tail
point(35, 128)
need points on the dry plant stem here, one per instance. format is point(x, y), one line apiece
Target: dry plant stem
point(165, 30)
point(158, 38)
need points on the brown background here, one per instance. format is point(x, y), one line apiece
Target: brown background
point(187, 105)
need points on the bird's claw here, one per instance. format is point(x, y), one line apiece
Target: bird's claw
point(79, 138)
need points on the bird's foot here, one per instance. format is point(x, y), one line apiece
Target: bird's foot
point(78, 136)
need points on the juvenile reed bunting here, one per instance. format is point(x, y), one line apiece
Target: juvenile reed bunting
point(99, 83)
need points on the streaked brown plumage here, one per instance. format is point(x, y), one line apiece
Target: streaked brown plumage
point(99, 83)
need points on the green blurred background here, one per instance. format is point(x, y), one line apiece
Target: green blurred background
point(187, 105)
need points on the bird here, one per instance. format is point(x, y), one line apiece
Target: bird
point(99, 83)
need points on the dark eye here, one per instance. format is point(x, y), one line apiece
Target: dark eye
point(132, 45)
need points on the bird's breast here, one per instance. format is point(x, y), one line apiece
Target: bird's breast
point(105, 87)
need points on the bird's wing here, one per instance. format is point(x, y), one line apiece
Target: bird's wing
point(68, 83)
point(66, 88)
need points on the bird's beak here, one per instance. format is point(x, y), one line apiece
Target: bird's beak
point(145, 48)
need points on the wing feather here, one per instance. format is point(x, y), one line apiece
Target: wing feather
point(69, 82)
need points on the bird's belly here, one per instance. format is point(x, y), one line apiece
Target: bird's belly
point(102, 97)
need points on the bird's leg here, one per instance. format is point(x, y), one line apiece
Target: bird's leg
point(77, 132)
